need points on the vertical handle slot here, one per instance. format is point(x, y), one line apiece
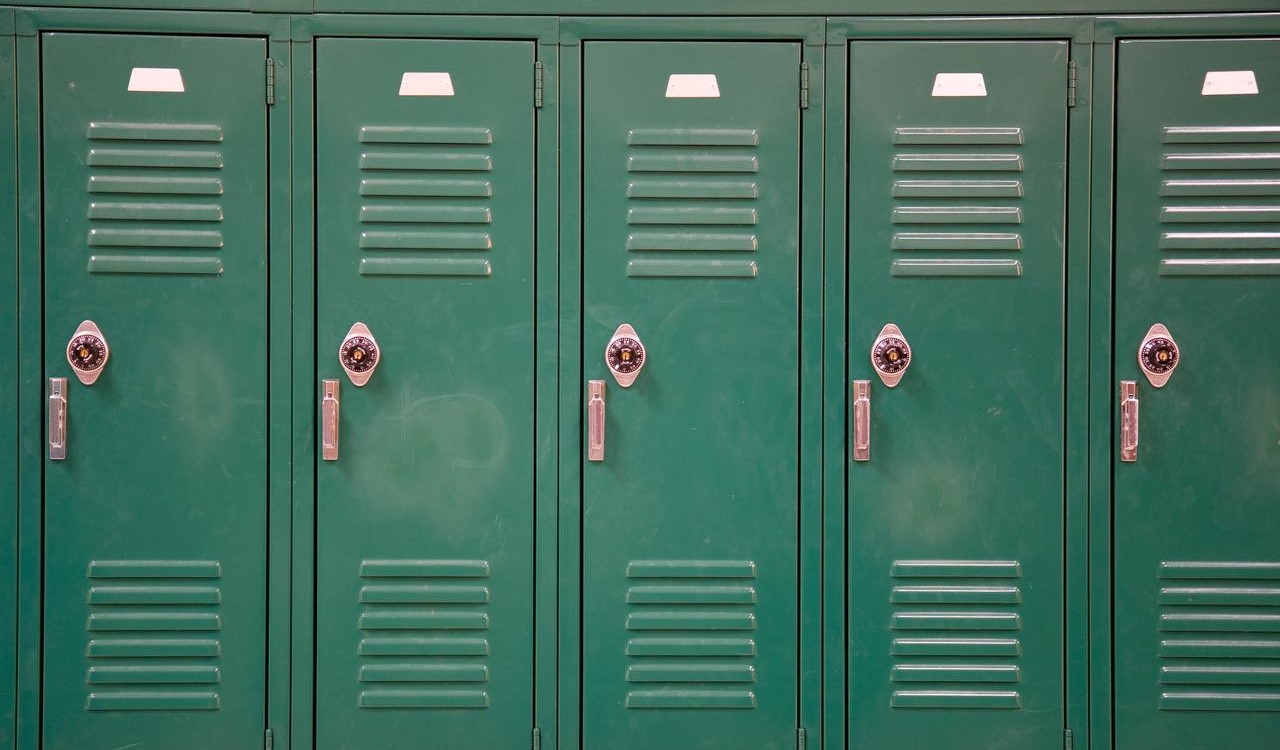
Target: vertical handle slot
point(330, 414)
point(57, 419)
point(1128, 421)
point(595, 420)
point(862, 420)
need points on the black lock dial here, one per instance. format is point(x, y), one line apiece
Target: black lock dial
point(87, 352)
point(891, 355)
point(624, 355)
point(1159, 355)
point(358, 354)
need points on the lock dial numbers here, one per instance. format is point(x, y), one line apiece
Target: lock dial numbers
point(625, 355)
point(1158, 355)
point(87, 352)
point(891, 355)
point(359, 354)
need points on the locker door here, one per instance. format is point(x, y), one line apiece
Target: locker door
point(1197, 517)
point(425, 164)
point(155, 521)
point(8, 394)
point(691, 237)
point(956, 236)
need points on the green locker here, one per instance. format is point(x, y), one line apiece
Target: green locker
point(1196, 517)
point(155, 502)
point(8, 391)
point(956, 257)
point(691, 157)
point(425, 493)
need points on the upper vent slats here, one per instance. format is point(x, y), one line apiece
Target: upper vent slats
point(154, 193)
point(942, 202)
point(685, 201)
point(427, 196)
point(1228, 211)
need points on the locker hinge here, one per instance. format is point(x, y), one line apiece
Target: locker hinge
point(537, 733)
point(804, 88)
point(1068, 742)
point(271, 81)
point(538, 76)
point(267, 741)
point(800, 738)
point(1071, 83)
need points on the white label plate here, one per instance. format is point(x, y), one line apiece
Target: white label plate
point(693, 86)
point(160, 80)
point(426, 84)
point(1229, 83)
point(959, 84)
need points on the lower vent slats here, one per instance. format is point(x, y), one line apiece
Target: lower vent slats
point(154, 635)
point(691, 624)
point(954, 625)
point(424, 635)
point(1219, 626)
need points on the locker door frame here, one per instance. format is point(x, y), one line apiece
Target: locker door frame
point(809, 33)
point(30, 24)
point(8, 380)
point(1103, 409)
point(543, 33)
point(836, 417)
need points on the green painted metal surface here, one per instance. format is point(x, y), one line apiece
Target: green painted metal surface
point(1195, 652)
point(1197, 526)
point(690, 549)
point(8, 394)
point(155, 545)
point(713, 8)
point(955, 523)
point(425, 535)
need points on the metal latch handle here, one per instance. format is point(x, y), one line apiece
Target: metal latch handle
point(862, 420)
point(330, 413)
point(57, 419)
point(1128, 420)
point(595, 420)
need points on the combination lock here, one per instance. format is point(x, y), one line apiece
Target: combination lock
point(624, 355)
point(1158, 355)
point(890, 355)
point(87, 352)
point(359, 354)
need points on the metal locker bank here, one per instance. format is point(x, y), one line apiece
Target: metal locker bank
point(591, 375)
